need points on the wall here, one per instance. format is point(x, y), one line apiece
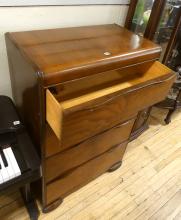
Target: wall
point(29, 18)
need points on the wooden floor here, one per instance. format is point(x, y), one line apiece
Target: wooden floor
point(147, 186)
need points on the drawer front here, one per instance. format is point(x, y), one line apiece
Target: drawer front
point(84, 174)
point(78, 119)
point(87, 150)
point(87, 122)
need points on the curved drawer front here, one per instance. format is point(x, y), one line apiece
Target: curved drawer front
point(78, 119)
point(83, 174)
point(62, 162)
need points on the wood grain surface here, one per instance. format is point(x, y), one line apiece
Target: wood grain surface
point(70, 53)
point(79, 154)
point(76, 178)
point(44, 63)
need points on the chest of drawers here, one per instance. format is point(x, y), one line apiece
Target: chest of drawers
point(79, 90)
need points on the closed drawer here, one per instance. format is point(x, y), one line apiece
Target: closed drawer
point(60, 163)
point(80, 118)
point(83, 174)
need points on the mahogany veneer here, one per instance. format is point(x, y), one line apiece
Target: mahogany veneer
point(80, 90)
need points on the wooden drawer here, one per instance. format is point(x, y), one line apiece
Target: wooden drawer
point(58, 164)
point(84, 173)
point(80, 118)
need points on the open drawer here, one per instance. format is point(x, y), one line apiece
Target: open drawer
point(89, 113)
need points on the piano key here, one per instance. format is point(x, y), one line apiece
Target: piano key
point(10, 167)
point(3, 158)
point(13, 161)
point(3, 171)
point(1, 178)
point(19, 157)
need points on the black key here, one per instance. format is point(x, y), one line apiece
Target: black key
point(4, 158)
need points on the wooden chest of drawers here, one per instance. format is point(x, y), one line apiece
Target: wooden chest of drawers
point(80, 90)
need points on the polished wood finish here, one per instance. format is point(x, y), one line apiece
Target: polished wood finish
point(111, 105)
point(52, 206)
point(86, 172)
point(86, 85)
point(140, 124)
point(145, 187)
point(154, 19)
point(26, 90)
point(115, 166)
point(52, 144)
point(87, 150)
point(54, 114)
point(155, 16)
point(71, 53)
point(130, 13)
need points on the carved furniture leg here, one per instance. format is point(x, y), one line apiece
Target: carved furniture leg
point(169, 115)
point(171, 111)
point(30, 203)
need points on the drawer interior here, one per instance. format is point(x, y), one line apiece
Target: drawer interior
point(75, 88)
point(81, 96)
point(108, 83)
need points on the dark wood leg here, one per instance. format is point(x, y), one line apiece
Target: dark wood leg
point(30, 203)
point(171, 111)
point(115, 166)
point(169, 115)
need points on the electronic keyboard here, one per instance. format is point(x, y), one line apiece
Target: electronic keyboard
point(12, 163)
point(19, 161)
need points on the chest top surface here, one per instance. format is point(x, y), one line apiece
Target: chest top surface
point(69, 53)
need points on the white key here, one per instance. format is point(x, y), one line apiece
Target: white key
point(1, 178)
point(4, 172)
point(13, 161)
point(10, 167)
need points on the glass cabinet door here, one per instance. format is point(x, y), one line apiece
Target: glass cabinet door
point(141, 20)
point(175, 59)
point(167, 24)
point(141, 16)
point(160, 21)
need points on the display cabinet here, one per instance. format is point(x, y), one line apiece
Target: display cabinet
point(160, 21)
point(157, 20)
